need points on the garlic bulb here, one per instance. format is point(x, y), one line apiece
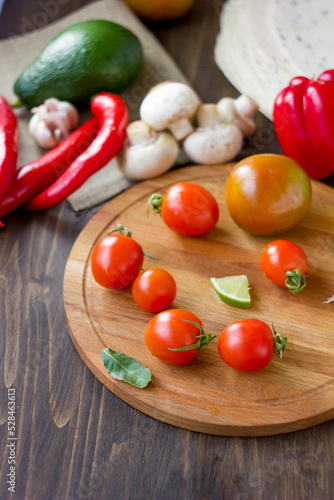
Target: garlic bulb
point(52, 122)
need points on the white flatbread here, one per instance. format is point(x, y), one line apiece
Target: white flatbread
point(262, 45)
point(304, 30)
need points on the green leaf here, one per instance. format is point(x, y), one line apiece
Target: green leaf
point(123, 367)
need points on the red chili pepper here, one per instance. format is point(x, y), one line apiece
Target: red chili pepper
point(39, 174)
point(111, 113)
point(9, 138)
point(303, 118)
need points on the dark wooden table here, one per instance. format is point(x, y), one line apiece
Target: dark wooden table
point(75, 439)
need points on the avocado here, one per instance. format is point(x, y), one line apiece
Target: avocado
point(87, 58)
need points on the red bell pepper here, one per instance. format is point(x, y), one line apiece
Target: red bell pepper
point(303, 117)
point(9, 138)
point(32, 178)
point(111, 113)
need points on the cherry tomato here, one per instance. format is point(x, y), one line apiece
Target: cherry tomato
point(116, 260)
point(174, 329)
point(267, 194)
point(285, 264)
point(249, 345)
point(187, 208)
point(154, 290)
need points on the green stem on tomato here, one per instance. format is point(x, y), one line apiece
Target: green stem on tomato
point(279, 342)
point(295, 281)
point(155, 200)
point(121, 229)
point(203, 339)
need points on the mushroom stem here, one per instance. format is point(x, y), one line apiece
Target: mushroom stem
point(181, 128)
point(139, 132)
point(207, 115)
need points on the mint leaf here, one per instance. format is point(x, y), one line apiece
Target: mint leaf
point(123, 367)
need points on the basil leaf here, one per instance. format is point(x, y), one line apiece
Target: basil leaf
point(122, 367)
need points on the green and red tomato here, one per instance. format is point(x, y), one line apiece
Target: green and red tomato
point(267, 194)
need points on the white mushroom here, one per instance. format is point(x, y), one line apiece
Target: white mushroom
point(145, 152)
point(52, 122)
point(239, 112)
point(212, 142)
point(169, 105)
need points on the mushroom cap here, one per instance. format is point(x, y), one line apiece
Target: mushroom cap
point(167, 103)
point(213, 145)
point(153, 157)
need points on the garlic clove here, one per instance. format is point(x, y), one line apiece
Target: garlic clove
point(45, 137)
point(52, 122)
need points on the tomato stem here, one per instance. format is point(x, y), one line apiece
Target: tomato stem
point(147, 255)
point(279, 342)
point(120, 229)
point(155, 200)
point(295, 281)
point(203, 339)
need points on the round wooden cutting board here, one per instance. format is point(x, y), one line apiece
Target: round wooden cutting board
point(206, 395)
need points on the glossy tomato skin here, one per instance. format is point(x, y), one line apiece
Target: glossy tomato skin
point(246, 345)
point(154, 290)
point(267, 194)
point(281, 256)
point(116, 261)
point(168, 329)
point(189, 209)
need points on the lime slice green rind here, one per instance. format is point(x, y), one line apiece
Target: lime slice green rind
point(233, 290)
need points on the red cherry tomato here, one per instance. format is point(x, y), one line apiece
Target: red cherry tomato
point(285, 264)
point(171, 329)
point(116, 260)
point(154, 290)
point(249, 345)
point(187, 208)
point(267, 194)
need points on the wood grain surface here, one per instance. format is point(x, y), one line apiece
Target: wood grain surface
point(207, 396)
point(76, 439)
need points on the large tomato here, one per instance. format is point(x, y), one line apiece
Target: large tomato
point(187, 208)
point(267, 194)
point(116, 260)
point(175, 329)
point(249, 345)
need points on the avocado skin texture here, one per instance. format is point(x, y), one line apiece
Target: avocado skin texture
point(83, 60)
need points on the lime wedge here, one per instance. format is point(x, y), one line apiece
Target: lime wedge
point(233, 290)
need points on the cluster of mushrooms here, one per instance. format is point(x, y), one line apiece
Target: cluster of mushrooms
point(173, 119)
point(173, 123)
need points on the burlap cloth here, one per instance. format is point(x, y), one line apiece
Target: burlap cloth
point(17, 52)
